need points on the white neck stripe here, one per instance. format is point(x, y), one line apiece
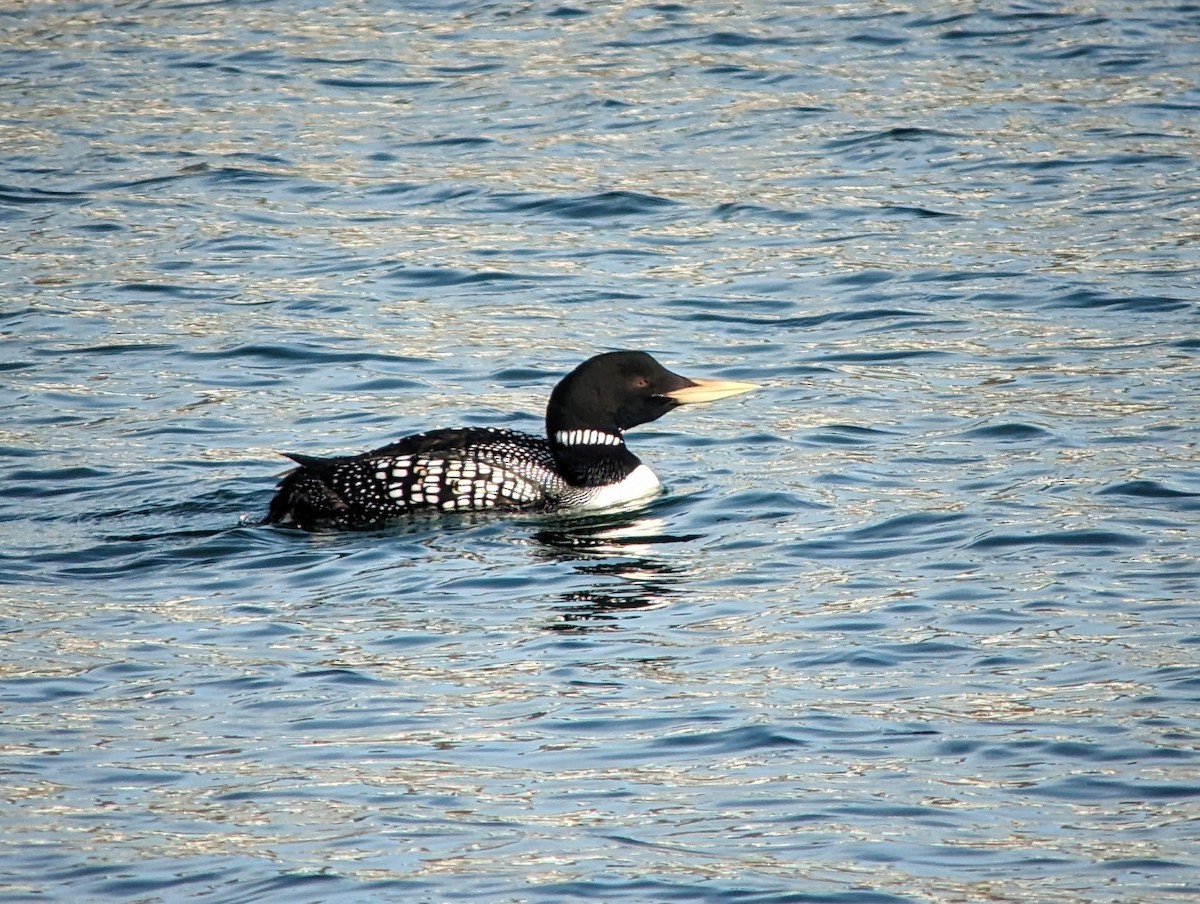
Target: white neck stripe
point(587, 438)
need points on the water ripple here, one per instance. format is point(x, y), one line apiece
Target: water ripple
point(913, 622)
point(1101, 540)
point(1147, 489)
point(584, 207)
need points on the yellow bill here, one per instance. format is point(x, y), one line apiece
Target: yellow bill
point(708, 390)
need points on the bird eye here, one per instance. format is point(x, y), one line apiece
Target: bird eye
point(641, 382)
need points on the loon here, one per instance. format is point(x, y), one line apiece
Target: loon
point(583, 463)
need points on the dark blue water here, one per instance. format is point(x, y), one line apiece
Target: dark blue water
point(917, 621)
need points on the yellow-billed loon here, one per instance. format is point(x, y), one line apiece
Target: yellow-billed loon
point(582, 464)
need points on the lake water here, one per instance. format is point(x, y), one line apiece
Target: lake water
point(917, 621)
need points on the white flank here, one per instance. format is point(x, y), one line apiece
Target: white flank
point(638, 485)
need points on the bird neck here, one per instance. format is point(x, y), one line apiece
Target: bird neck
point(590, 457)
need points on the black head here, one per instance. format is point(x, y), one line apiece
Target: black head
point(613, 392)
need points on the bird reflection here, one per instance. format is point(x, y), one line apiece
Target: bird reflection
point(618, 549)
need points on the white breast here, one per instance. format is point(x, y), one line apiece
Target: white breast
point(638, 485)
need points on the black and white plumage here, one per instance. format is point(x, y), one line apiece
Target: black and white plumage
point(583, 463)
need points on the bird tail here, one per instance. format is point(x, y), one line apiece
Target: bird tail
point(304, 498)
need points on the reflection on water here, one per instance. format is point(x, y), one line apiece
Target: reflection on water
point(620, 553)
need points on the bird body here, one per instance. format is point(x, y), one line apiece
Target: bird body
point(582, 463)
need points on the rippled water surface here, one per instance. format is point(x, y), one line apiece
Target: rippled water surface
point(917, 621)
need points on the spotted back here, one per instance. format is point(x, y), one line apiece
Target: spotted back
point(448, 470)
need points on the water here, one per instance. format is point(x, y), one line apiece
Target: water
point(915, 622)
